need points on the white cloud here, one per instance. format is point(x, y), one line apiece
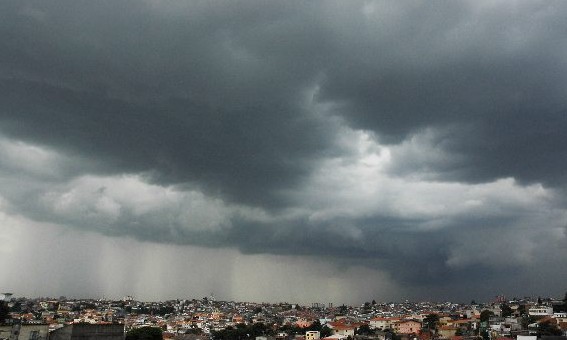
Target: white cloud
point(357, 185)
point(104, 200)
point(29, 159)
point(361, 185)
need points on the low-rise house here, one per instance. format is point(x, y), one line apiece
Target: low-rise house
point(312, 335)
point(446, 332)
point(445, 320)
point(382, 323)
point(465, 325)
point(407, 327)
point(344, 330)
point(498, 326)
point(560, 317)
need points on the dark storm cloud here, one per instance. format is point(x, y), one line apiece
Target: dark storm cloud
point(243, 152)
point(216, 93)
point(187, 97)
point(411, 257)
point(410, 137)
point(495, 75)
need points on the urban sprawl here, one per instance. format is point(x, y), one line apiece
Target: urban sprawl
point(61, 318)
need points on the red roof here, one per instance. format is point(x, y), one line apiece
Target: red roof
point(343, 327)
point(385, 318)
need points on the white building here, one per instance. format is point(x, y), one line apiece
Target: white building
point(312, 335)
point(540, 311)
point(560, 317)
point(382, 323)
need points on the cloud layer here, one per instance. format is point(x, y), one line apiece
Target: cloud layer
point(417, 145)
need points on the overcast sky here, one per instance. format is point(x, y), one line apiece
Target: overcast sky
point(300, 151)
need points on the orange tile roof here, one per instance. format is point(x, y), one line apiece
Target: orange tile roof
point(385, 318)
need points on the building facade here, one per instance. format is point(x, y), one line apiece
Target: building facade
point(89, 332)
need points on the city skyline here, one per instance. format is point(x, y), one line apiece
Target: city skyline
point(497, 300)
point(283, 151)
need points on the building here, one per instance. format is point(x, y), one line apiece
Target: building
point(382, 323)
point(343, 330)
point(312, 335)
point(84, 331)
point(447, 332)
point(540, 311)
point(526, 337)
point(336, 337)
point(24, 332)
point(407, 327)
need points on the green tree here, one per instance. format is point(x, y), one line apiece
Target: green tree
point(4, 311)
point(547, 328)
point(365, 330)
point(259, 328)
point(195, 330)
point(390, 334)
point(315, 326)
point(485, 315)
point(431, 321)
point(145, 333)
point(243, 331)
point(290, 329)
point(506, 310)
point(527, 320)
point(17, 307)
point(326, 331)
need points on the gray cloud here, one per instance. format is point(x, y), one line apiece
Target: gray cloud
point(492, 75)
point(419, 140)
point(220, 112)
